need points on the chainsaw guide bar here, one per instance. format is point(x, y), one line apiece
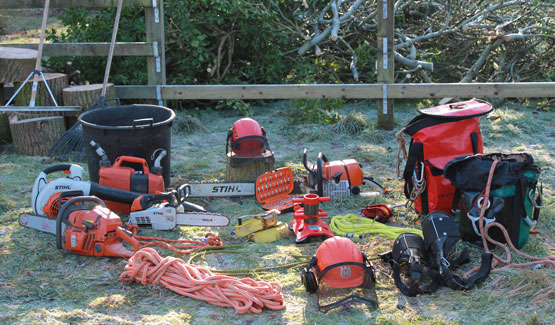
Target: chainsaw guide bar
point(221, 189)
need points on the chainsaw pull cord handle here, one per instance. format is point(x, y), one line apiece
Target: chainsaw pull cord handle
point(63, 214)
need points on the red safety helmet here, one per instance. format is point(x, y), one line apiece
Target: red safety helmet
point(340, 263)
point(247, 138)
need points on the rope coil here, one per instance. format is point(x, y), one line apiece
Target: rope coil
point(179, 246)
point(353, 226)
point(245, 295)
point(484, 229)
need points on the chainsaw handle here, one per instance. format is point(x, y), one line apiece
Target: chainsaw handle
point(147, 200)
point(305, 163)
point(127, 237)
point(131, 159)
point(63, 215)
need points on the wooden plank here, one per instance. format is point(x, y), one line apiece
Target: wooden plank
point(385, 62)
point(471, 90)
point(40, 109)
point(90, 49)
point(21, 4)
point(345, 91)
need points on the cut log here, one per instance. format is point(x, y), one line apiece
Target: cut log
point(56, 81)
point(35, 136)
point(86, 95)
point(5, 135)
point(247, 173)
point(16, 64)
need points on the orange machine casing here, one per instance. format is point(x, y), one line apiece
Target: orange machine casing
point(129, 179)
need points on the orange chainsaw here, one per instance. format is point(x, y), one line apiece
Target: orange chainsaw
point(335, 179)
point(82, 230)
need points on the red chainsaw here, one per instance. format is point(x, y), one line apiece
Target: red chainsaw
point(83, 230)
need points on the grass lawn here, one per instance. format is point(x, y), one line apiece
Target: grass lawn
point(41, 284)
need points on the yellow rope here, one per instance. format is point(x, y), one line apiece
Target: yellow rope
point(353, 226)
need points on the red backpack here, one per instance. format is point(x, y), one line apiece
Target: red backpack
point(438, 135)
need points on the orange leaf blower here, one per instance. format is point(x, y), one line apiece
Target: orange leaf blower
point(130, 174)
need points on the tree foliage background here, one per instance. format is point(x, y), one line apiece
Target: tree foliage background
point(326, 41)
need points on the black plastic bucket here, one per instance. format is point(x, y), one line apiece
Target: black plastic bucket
point(130, 130)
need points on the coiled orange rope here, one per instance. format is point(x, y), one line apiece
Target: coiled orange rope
point(179, 246)
point(245, 295)
point(486, 238)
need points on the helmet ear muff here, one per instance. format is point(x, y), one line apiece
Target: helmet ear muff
point(308, 277)
point(309, 280)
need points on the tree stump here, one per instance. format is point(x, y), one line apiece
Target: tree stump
point(16, 64)
point(86, 95)
point(35, 136)
point(247, 173)
point(56, 81)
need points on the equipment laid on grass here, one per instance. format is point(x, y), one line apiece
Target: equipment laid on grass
point(339, 269)
point(277, 232)
point(244, 295)
point(84, 231)
point(255, 223)
point(335, 179)
point(438, 135)
point(130, 174)
point(307, 223)
point(166, 215)
point(421, 265)
point(354, 226)
point(515, 199)
point(274, 189)
point(248, 143)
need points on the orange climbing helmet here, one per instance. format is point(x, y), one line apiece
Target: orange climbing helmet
point(247, 140)
point(340, 265)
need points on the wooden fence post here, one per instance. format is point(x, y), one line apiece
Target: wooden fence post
point(156, 64)
point(385, 71)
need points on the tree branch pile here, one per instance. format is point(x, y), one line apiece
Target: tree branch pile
point(435, 41)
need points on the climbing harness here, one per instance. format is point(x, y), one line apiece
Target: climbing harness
point(424, 263)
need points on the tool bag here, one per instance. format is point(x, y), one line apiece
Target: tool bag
point(438, 135)
point(515, 199)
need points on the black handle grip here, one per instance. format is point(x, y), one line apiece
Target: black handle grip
point(148, 200)
point(183, 192)
point(148, 122)
point(68, 194)
point(305, 163)
point(57, 168)
point(113, 194)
